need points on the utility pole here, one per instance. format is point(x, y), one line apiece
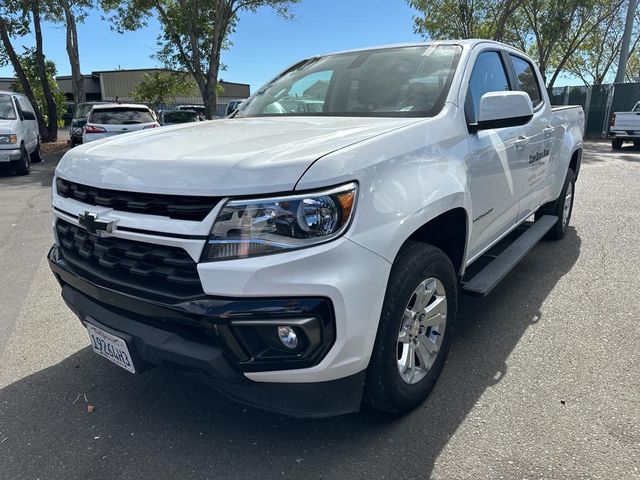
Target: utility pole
point(626, 40)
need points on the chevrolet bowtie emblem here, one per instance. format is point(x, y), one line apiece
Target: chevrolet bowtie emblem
point(101, 228)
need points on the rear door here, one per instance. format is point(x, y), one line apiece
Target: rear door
point(536, 142)
point(493, 158)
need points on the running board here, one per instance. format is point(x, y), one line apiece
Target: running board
point(487, 278)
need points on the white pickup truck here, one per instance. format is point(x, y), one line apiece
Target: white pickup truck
point(304, 259)
point(625, 127)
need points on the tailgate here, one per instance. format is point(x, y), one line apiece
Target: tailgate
point(628, 121)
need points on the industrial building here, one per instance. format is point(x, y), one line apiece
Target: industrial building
point(111, 84)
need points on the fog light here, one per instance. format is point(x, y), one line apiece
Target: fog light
point(288, 337)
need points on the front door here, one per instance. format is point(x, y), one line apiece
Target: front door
point(493, 159)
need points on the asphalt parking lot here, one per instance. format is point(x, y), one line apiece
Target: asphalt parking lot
point(543, 381)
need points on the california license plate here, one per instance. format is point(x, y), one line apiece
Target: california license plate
point(110, 347)
point(4, 157)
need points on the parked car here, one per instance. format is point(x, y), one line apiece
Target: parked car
point(78, 122)
point(172, 117)
point(19, 136)
point(298, 261)
point(232, 106)
point(625, 127)
point(113, 119)
point(199, 109)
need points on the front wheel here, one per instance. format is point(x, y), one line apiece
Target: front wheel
point(416, 328)
point(616, 144)
point(23, 166)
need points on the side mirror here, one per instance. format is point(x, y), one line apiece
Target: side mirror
point(27, 115)
point(503, 109)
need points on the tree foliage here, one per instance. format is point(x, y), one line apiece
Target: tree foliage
point(161, 88)
point(194, 32)
point(562, 35)
point(30, 67)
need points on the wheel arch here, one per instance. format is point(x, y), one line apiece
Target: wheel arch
point(576, 162)
point(448, 231)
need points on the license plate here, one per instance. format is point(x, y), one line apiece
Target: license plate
point(4, 157)
point(110, 347)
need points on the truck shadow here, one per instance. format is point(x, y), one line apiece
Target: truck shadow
point(163, 425)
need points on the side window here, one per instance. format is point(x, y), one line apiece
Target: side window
point(527, 81)
point(18, 108)
point(488, 75)
point(25, 106)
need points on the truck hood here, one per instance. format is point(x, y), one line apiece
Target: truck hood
point(240, 156)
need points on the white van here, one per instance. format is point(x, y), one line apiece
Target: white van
point(19, 136)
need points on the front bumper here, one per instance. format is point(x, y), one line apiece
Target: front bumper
point(10, 155)
point(200, 337)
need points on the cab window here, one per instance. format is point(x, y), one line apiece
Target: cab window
point(526, 78)
point(488, 75)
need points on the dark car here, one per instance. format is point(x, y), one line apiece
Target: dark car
point(78, 122)
point(172, 117)
point(233, 106)
point(199, 109)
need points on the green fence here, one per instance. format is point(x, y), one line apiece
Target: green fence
point(598, 102)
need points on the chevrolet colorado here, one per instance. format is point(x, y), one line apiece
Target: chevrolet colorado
point(306, 259)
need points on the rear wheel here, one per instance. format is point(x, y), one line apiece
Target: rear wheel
point(616, 144)
point(416, 328)
point(561, 208)
point(23, 166)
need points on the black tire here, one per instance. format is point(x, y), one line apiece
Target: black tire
point(23, 166)
point(636, 143)
point(556, 208)
point(35, 155)
point(385, 389)
point(616, 144)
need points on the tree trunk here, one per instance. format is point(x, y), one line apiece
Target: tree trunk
point(73, 53)
point(22, 77)
point(51, 131)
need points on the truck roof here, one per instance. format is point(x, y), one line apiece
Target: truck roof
point(471, 42)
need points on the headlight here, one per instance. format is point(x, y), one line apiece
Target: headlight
point(8, 139)
point(247, 228)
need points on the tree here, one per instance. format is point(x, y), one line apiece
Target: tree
point(161, 88)
point(29, 65)
point(463, 18)
point(553, 30)
point(51, 129)
point(597, 56)
point(14, 23)
point(70, 13)
point(194, 32)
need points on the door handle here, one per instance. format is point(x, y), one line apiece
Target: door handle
point(548, 132)
point(521, 142)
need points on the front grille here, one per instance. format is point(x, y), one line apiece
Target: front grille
point(173, 206)
point(139, 268)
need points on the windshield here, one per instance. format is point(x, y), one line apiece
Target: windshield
point(121, 116)
point(397, 82)
point(83, 110)
point(7, 111)
point(180, 116)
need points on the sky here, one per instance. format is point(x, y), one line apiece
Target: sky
point(262, 45)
